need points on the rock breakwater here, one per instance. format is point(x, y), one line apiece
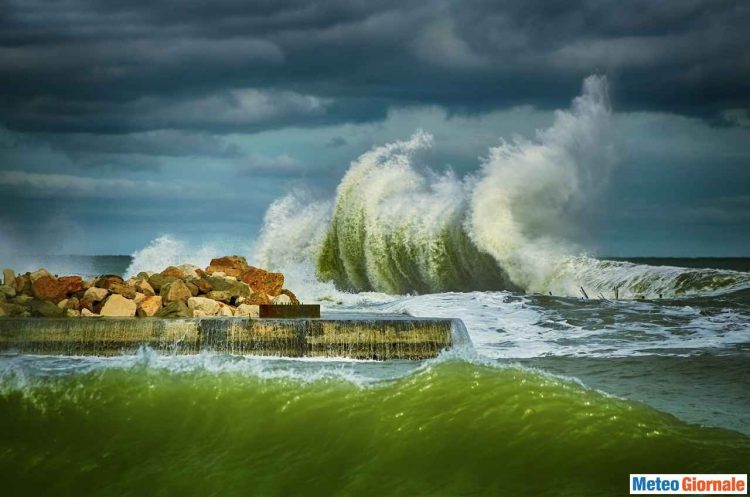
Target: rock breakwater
point(229, 286)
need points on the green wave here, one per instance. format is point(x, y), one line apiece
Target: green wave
point(394, 262)
point(453, 429)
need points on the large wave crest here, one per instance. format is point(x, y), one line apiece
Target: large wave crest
point(397, 226)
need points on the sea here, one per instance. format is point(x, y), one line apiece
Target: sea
point(582, 369)
point(561, 396)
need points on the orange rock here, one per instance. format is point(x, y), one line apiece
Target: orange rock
point(204, 286)
point(264, 282)
point(231, 265)
point(107, 280)
point(258, 298)
point(74, 283)
point(48, 288)
point(174, 271)
point(149, 306)
point(118, 306)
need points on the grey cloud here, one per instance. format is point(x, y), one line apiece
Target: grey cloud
point(58, 186)
point(262, 165)
point(336, 142)
point(118, 67)
point(169, 143)
point(223, 111)
point(208, 99)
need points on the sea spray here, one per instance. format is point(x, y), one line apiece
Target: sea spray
point(398, 227)
point(167, 250)
point(528, 194)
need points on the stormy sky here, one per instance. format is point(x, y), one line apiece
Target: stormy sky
point(124, 120)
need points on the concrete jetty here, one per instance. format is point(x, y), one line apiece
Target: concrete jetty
point(376, 337)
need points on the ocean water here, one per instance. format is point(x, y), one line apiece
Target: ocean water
point(559, 395)
point(562, 396)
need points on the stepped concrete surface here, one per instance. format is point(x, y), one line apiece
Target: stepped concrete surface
point(354, 336)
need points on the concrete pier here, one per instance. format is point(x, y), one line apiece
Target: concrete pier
point(377, 337)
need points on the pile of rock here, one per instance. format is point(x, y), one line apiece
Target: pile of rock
point(227, 287)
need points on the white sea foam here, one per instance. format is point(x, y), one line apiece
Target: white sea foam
point(167, 250)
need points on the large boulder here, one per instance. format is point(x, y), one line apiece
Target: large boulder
point(174, 272)
point(9, 277)
point(117, 305)
point(229, 284)
point(73, 283)
point(157, 281)
point(143, 286)
point(85, 313)
point(73, 303)
point(194, 291)
point(249, 310)
point(205, 306)
point(93, 297)
point(258, 298)
point(8, 291)
point(177, 309)
point(262, 281)
point(107, 280)
point(39, 273)
point(190, 271)
point(122, 289)
point(220, 296)
point(46, 309)
point(8, 309)
point(150, 306)
point(175, 291)
point(232, 265)
point(24, 300)
point(56, 289)
point(203, 285)
point(95, 294)
point(23, 284)
point(225, 309)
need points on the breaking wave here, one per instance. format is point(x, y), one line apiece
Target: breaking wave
point(396, 226)
point(454, 428)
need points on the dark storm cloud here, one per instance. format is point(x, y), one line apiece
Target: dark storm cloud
point(131, 118)
point(118, 67)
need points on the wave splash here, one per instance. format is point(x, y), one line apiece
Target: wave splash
point(396, 226)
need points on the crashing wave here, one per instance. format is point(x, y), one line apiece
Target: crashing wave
point(398, 227)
